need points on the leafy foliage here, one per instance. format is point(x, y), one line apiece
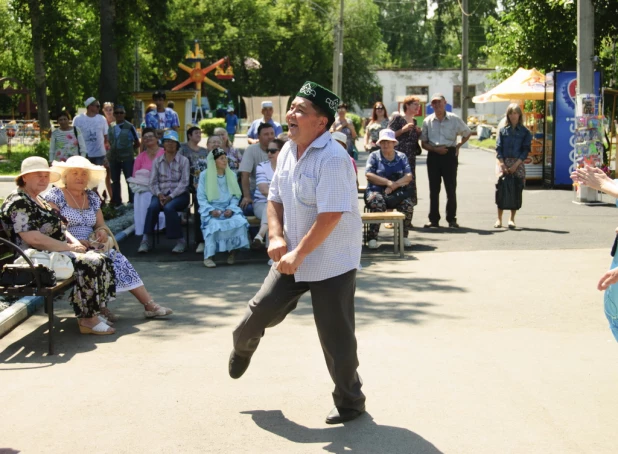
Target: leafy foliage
point(208, 125)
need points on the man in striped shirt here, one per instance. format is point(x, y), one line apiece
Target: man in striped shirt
point(169, 181)
point(315, 234)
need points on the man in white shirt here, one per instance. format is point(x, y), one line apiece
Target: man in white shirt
point(439, 138)
point(315, 234)
point(253, 155)
point(94, 130)
point(267, 117)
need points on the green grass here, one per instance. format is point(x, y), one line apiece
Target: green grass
point(487, 143)
point(12, 165)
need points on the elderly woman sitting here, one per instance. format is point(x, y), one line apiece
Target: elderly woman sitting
point(388, 170)
point(81, 207)
point(223, 224)
point(33, 223)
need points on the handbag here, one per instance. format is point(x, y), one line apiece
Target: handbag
point(508, 192)
point(14, 275)
point(60, 264)
point(108, 245)
point(398, 195)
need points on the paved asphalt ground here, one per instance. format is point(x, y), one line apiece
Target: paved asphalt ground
point(479, 342)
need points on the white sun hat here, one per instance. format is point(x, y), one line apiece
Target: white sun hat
point(38, 164)
point(387, 134)
point(97, 173)
point(340, 137)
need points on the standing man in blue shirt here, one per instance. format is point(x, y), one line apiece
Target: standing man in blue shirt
point(231, 123)
point(267, 112)
point(315, 233)
point(162, 117)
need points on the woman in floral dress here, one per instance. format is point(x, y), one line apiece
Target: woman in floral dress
point(379, 121)
point(81, 208)
point(407, 133)
point(32, 223)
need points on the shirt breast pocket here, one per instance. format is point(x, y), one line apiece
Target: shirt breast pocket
point(305, 189)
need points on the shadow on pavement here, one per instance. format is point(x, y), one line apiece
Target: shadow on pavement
point(31, 350)
point(362, 435)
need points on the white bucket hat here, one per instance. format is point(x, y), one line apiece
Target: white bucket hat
point(97, 173)
point(340, 137)
point(38, 164)
point(387, 134)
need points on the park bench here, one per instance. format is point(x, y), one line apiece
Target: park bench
point(8, 252)
point(396, 218)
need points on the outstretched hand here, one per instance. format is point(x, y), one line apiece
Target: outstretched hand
point(592, 177)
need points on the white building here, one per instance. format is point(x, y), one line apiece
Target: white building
point(398, 83)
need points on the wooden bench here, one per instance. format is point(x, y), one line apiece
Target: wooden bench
point(8, 253)
point(396, 218)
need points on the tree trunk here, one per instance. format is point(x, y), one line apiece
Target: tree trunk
point(108, 83)
point(40, 79)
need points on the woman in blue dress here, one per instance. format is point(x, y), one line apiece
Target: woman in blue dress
point(81, 209)
point(223, 224)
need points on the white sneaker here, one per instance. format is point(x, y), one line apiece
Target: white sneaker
point(209, 263)
point(407, 242)
point(373, 244)
point(143, 247)
point(179, 248)
point(200, 248)
point(258, 242)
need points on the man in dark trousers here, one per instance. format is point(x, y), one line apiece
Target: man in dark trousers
point(439, 138)
point(315, 232)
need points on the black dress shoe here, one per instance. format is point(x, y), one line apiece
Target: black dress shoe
point(453, 225)
point(238, 365)
point(339, 414)
point(431, 225)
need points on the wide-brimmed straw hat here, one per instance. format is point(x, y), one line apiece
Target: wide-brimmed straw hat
point(37, 164)
point(142, 176)
point(388, 135)
point(97, 173)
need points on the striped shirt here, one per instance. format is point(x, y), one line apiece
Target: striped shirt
point(169, 178)
point(321, 181)
point(263, 174)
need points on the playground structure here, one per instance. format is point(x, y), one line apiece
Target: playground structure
point(197, 75)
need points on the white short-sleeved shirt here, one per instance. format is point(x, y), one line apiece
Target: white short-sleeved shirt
point(321, 181)
point(250, 159)
point(93, 129)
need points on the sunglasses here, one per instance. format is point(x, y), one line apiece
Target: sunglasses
point(148, 136)
point(96, 105)
point(272, 150)
point(119, 113)
point(380, 108)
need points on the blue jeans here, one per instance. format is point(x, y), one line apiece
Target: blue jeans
point(173, 228)
point(97, 161)
point(116, 168)
point(611, 303)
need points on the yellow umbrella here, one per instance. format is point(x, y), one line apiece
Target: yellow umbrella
point(524, 84)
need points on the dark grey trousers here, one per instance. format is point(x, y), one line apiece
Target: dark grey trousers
point(333, 312)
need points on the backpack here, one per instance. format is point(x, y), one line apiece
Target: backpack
point(121, 148)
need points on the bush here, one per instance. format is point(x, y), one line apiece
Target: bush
point(208, 125)
point(357, 122)
point(12, 166)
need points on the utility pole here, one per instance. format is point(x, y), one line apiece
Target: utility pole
point(338, 53)
point(585, 47)
point(340, 60)
point(464, 61)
